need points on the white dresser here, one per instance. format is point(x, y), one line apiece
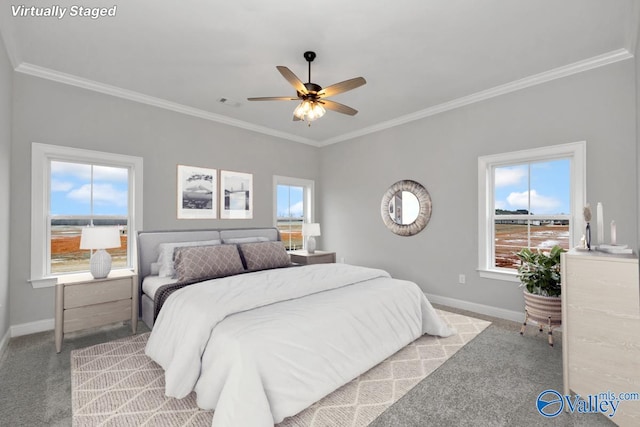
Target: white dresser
point(601, 327)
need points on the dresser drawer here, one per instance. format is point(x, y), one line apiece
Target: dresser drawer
point(615, 294)
point(96, 293)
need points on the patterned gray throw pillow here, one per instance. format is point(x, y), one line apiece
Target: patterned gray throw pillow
point(265, 255)
point(207, 262)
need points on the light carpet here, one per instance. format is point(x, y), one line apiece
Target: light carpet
point(116, 384)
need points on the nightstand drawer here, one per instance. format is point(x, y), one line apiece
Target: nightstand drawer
point(96, 293)
point(91, 316)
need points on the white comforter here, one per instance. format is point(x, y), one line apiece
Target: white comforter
point(263, 346)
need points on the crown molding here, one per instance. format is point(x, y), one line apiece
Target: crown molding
point(536, 79)
point(557, 73)
point(69, 79)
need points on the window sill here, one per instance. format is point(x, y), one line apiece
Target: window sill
point(43, 282)
point(505, 276)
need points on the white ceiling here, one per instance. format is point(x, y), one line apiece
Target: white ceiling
point(419, 57)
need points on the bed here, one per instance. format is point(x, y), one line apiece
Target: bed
point(261, 344)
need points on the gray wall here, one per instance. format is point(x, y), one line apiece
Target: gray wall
point(441, 152)
point(6, 74)
point(53, 113)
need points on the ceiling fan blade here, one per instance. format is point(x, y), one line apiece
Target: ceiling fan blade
point(293, 79)
point(273, 98)
point(340, 108)
point(342, 86)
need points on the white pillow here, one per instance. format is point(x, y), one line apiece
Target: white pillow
point(238, 240)
point(165, 259)
point(155, 268)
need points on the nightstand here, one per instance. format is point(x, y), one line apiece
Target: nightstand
point(83, 302)
point(318, 257)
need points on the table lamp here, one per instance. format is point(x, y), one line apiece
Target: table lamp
point(100, 238)
point(311, 230)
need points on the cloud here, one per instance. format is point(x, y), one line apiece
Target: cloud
point(103, 194)
point(83, 172)
point(106, 173)
point(510, 176)
point(297, 210)
point(294, 211)
point(539, 204)
point(61, 185)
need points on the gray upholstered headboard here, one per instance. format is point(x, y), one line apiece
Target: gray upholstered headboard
point(148, 241)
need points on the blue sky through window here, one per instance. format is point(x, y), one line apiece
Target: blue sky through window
point(289, 201)
point(71, 189)
point(550, 191)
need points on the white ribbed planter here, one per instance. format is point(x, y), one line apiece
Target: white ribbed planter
point(545, 311)
point(541, 308)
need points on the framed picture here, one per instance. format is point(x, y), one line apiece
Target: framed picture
point(197, 197)
point(236, 195)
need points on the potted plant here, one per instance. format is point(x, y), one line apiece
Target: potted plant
point(539, 274)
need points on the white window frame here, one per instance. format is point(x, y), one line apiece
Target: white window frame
point(308, 198)
point(41, 157)
point(575, 151)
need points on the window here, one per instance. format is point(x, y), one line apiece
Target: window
point(531, 198)
point(82, 194)
point(73, 188)
point(293, 201)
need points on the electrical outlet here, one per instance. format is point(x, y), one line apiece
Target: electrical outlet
point(462, 279)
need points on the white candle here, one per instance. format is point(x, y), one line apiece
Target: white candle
point(613, 232)
point(600, 219)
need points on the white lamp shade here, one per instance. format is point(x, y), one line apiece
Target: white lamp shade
point(312, 229)
point(100, 238)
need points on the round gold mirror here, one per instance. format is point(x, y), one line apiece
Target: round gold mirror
point(406, 208)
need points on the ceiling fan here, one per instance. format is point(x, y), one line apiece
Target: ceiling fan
point(313, 95)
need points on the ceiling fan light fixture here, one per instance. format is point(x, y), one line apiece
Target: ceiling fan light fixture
point(309, 110)
point(312, 95)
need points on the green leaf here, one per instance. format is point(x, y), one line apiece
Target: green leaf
point(539, 272)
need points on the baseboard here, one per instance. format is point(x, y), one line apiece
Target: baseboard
point(501, 313)
point(32, 327)
point(4, 342)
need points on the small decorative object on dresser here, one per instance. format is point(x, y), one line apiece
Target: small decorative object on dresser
point(586, 212)
point(539, 274)
point(83, 303)
point(310, 231)
point(318, 257)
point(100, 238)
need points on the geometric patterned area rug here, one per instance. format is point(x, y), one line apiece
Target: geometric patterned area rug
point(116, 384)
